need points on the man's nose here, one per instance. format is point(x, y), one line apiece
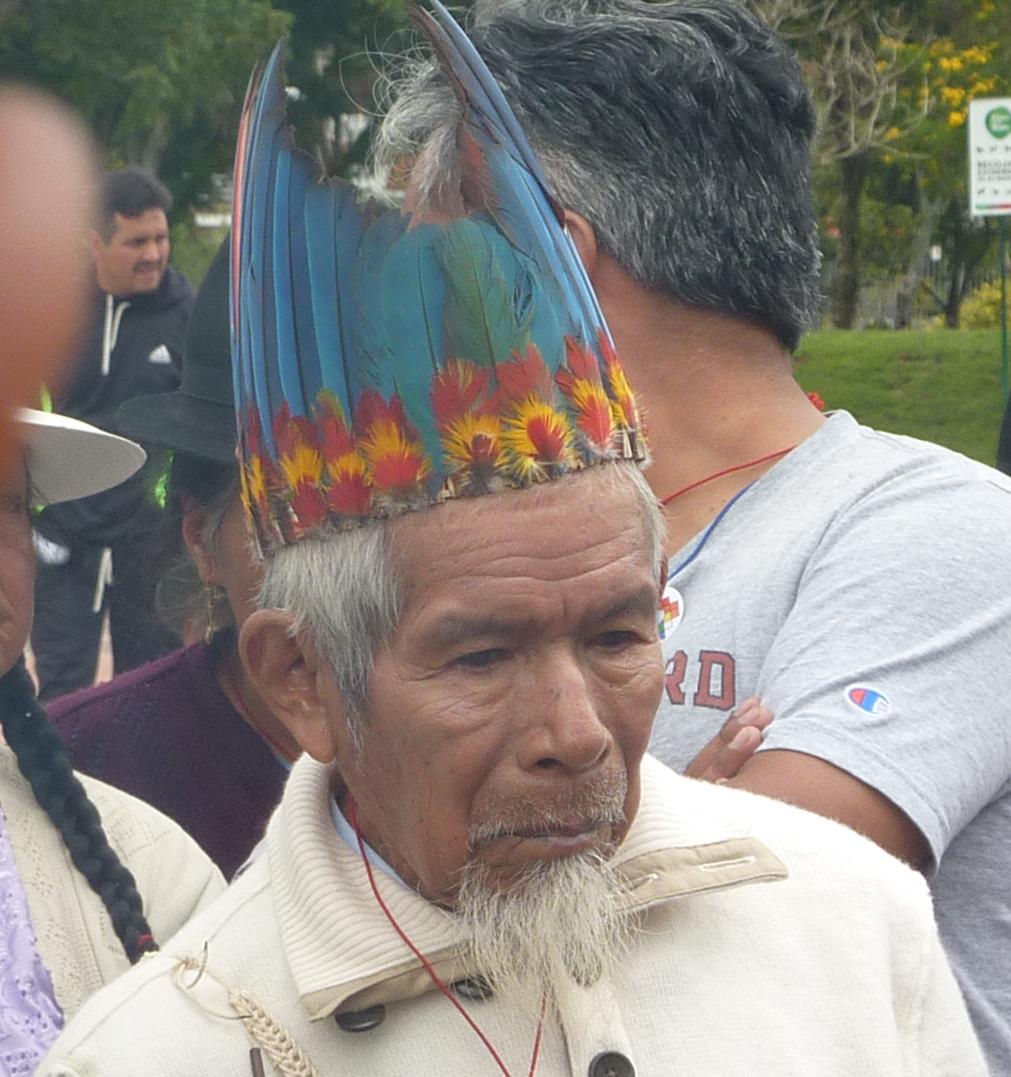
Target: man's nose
point(565, 730)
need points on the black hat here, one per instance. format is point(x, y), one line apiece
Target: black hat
point(199, 417)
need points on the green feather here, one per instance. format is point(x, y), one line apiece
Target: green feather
point(488, 308)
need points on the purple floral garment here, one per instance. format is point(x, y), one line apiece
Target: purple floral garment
point(30, 1017)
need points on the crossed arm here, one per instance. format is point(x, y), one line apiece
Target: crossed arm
point(804, 780)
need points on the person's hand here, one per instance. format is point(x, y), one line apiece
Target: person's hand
point(736, 742)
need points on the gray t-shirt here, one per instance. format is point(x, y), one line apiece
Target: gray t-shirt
point(862, 589)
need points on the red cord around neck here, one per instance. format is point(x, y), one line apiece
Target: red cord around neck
point(726, 471)
point(427, 966)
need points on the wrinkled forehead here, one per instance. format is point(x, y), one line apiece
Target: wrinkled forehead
point(566, 540)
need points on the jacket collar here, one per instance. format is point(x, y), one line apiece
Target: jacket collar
point(340, 948)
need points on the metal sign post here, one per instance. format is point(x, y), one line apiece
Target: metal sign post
point(990, 188)
point(1003, 307)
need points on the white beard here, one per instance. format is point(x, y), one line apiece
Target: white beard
point(559, 921)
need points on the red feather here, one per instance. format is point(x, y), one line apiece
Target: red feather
point(350, 495)
point(456, 389)
point(373, 408)
point(309, 506)
point(521, 377)
point(581, 361)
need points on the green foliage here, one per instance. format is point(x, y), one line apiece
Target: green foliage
point(333, 63)
point(940, 385)
point(193, 249)
point(981, 308)
point(160, 83)
point(885, 231)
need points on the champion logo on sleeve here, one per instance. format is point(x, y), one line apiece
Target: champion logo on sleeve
point(867, 699)
point(161, 354)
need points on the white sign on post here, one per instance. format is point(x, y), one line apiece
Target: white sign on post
point(990, 157)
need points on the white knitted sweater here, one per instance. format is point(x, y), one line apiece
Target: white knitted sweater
point(773, 943)
point(76, 939)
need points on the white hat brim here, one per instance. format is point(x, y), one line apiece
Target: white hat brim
point(67, 458)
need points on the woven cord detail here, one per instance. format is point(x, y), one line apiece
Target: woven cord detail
point(272, 1038)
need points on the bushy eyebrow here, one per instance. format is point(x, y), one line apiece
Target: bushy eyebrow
point(455, 628)
point(640, 603)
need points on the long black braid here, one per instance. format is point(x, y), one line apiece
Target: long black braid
point(44, 763)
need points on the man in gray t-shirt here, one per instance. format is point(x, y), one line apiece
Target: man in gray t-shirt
point(847, 587)
point(860, 585)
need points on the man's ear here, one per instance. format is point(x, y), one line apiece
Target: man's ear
point(287, 672)
point(664, 569)
point(585, 239)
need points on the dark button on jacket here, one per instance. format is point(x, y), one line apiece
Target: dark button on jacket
point(611, 1064)
point(361, 1020)
point(473, 988)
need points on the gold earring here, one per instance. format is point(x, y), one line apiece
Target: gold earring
point(210, 599)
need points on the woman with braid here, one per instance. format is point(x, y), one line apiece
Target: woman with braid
point(90, 879)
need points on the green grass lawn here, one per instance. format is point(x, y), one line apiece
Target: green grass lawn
point(942, 385)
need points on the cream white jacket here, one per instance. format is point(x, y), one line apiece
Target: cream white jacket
point(773, 943)
point(76, 939)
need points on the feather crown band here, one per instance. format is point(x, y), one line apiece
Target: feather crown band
point(390, 359)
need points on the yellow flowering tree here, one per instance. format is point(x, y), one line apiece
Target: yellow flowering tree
point(965, 54)
point(892, 83)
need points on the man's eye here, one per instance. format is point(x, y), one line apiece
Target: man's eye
point(481, 659)
point(615, 640)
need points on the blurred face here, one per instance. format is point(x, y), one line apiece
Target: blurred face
point(135, 258)
point(226, 557)
point(508, 715)
point(17, 567)
point(238, 571)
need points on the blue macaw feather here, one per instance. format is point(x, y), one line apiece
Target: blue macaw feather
point(370, 348)
point(350, 224)
point(520, 199)
point(412, 288)
point(319, 226)
point(303, 176)
point(338, 295)
point(481, 91)
point(259, 292)
point(264, 146)
point(286, 356)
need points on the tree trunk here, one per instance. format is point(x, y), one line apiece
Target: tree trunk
point(917, 263)
point(846, 282)
point(970, 247)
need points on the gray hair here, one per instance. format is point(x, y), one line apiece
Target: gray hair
point(345, 591)
point(681, 131)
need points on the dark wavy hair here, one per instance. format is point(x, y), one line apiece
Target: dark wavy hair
point(43, 761)
point(130, 192)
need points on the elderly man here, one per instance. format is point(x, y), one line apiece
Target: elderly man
point(842, 574)
point(96, 553)
point(474, 868)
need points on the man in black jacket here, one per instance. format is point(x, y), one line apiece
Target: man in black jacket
point(97, 553)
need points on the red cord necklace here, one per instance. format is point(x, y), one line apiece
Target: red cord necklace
point(426, 964)
point(726, 471)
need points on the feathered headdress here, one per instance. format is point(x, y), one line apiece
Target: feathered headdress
point(391, 359)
